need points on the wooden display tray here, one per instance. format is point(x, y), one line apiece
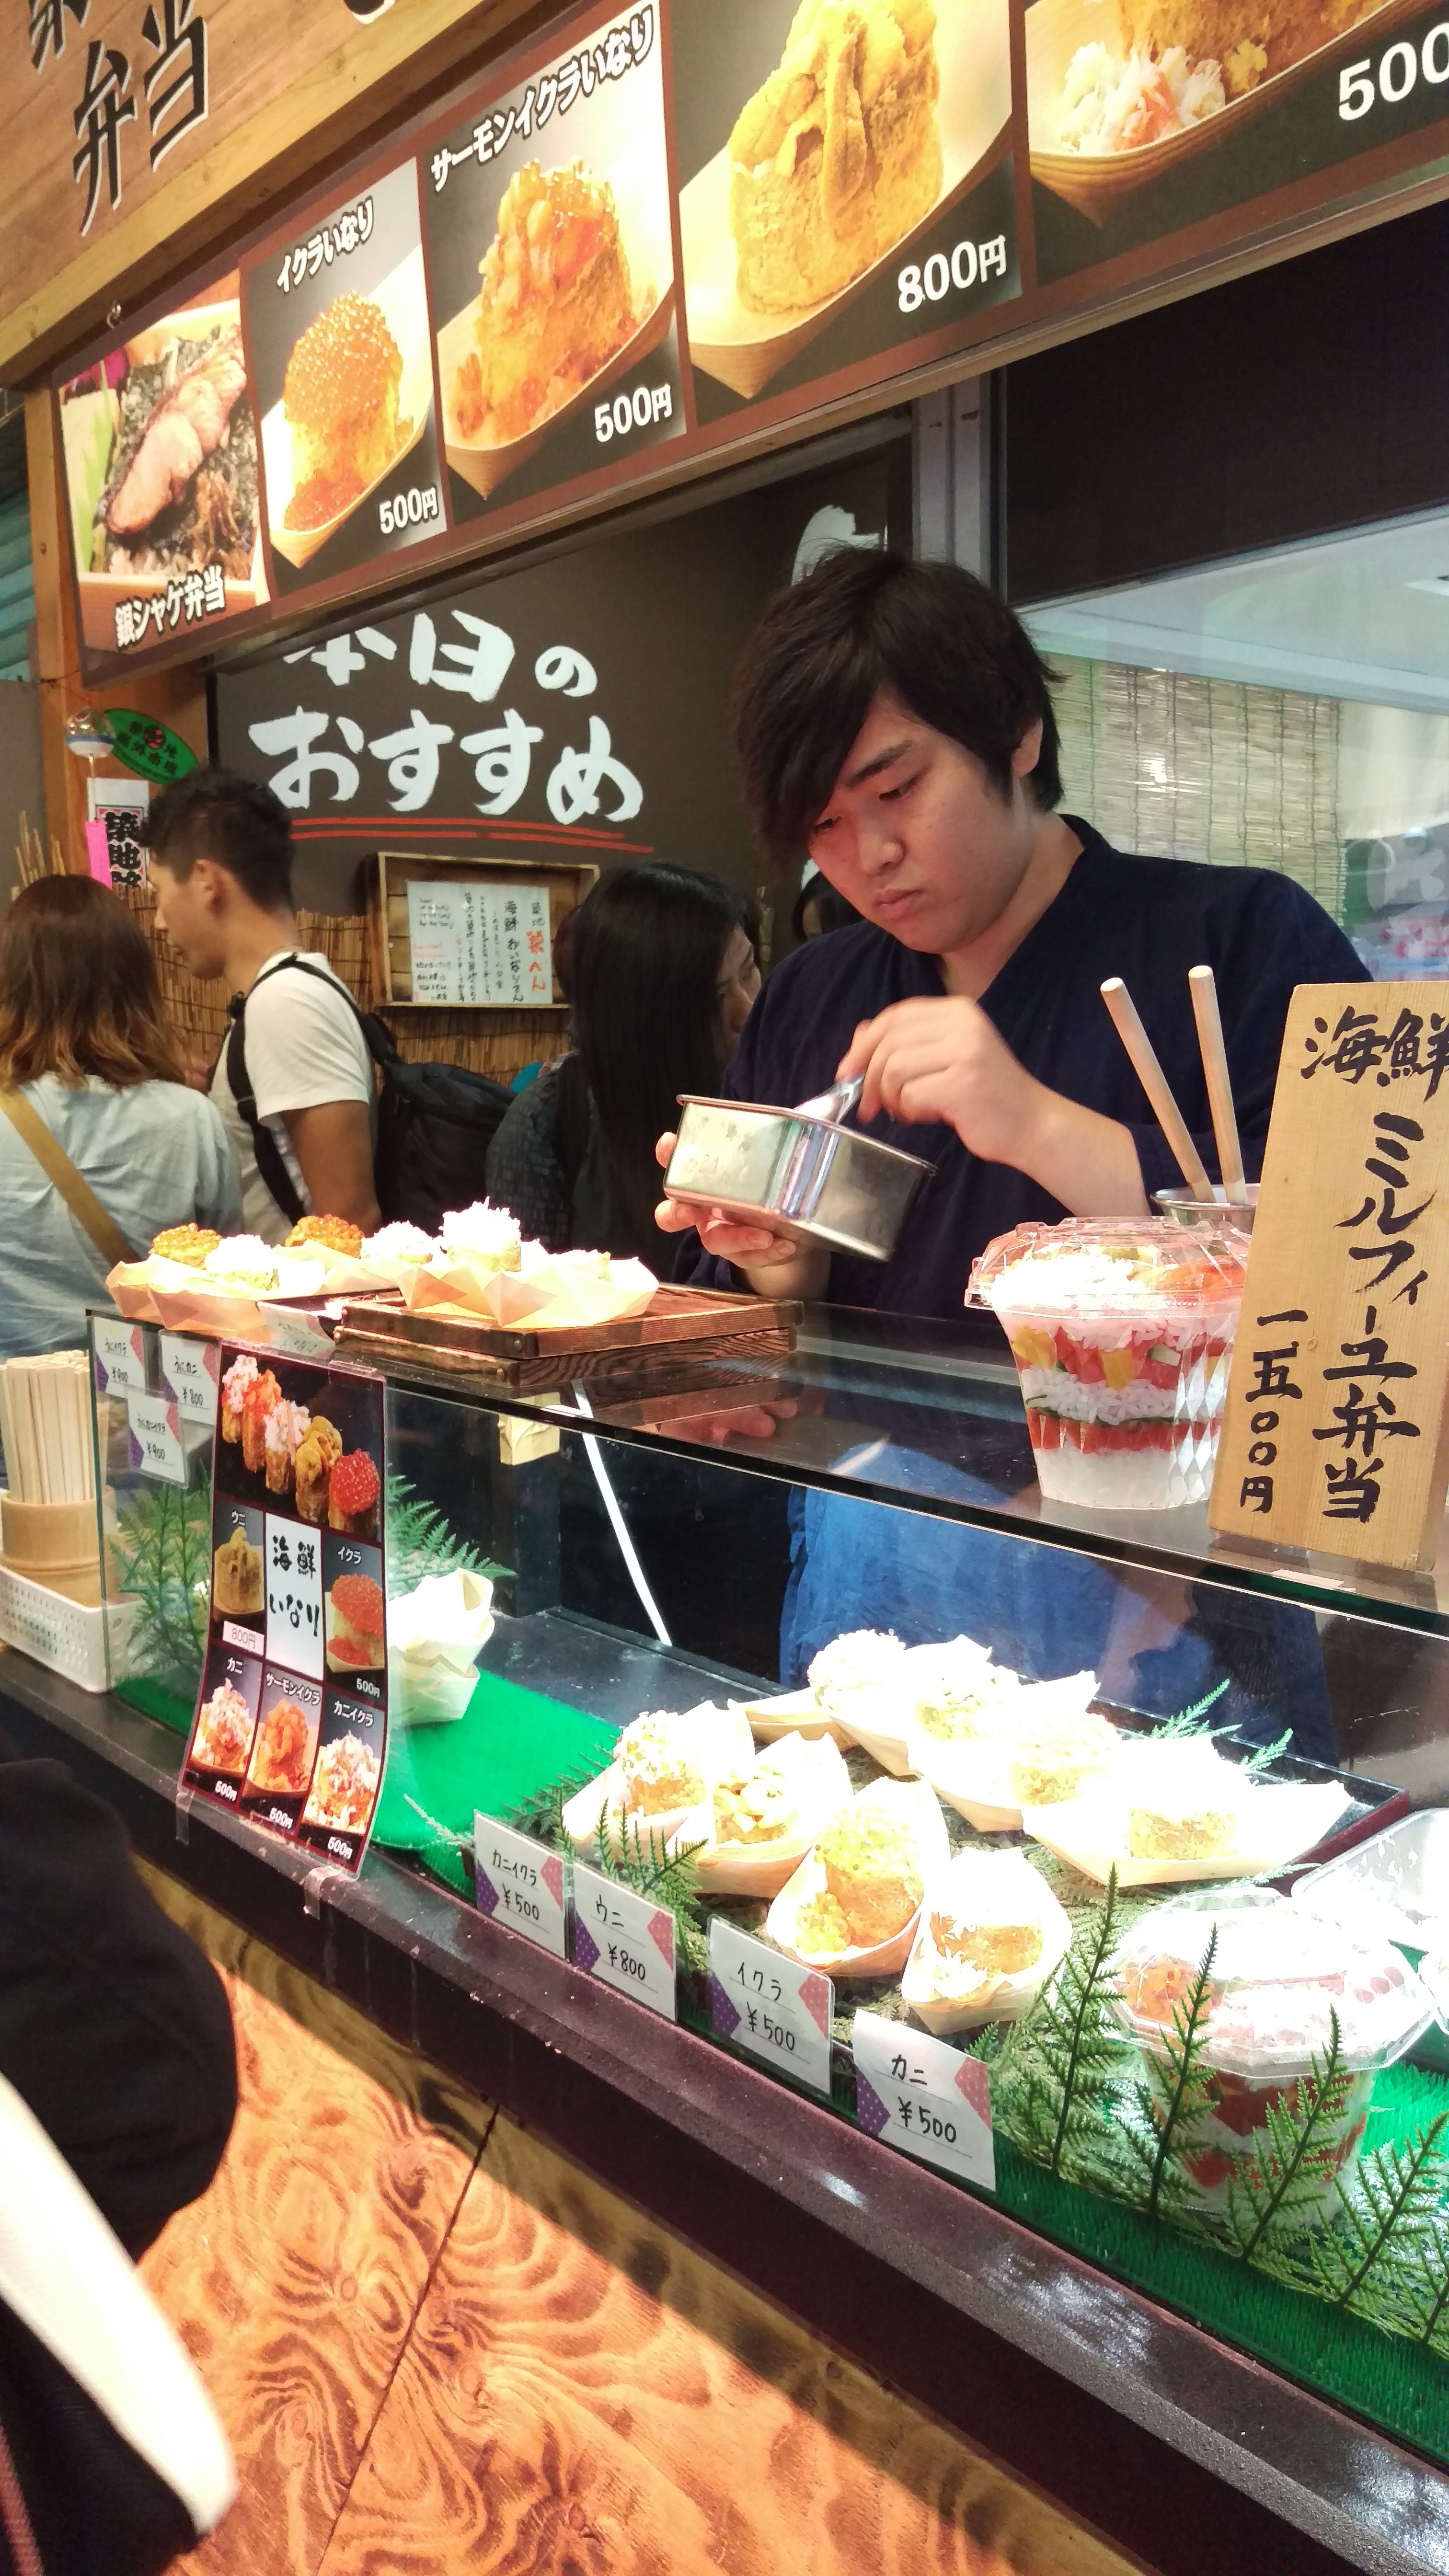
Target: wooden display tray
point(566, 882)
point(680, 1330)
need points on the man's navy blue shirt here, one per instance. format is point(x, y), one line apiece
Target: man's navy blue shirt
point(1147, 920)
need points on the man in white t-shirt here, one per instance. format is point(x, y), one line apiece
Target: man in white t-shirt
point(219, 855)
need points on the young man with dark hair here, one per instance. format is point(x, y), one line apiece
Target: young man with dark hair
point(219, 856)
point(894, 721)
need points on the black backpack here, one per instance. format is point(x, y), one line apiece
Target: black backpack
point(434, 1126)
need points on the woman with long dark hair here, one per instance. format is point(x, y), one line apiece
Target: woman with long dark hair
point(664, 970)
point(85, 1052)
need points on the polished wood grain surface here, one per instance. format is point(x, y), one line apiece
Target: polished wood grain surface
point(439, 2345)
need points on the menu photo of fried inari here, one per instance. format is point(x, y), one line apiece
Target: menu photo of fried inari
point(356, 395)
point(875, 115)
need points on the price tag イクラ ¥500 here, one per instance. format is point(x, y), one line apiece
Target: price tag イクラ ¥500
point(521, 1883)
point(924, 2097)
point(770, 2005)
point(624, 1940)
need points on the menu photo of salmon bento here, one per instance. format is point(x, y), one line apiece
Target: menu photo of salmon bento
point(298, 1653)
point(550, 246)
point(337, 323)
point(844, 183)
point(159, 438)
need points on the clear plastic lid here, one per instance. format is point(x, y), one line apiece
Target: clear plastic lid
point(1084, 1267)
point(1278, 1978)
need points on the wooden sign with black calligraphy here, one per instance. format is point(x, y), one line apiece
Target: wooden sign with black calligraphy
point(1334, 1436)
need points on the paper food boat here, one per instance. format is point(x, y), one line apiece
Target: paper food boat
point(761, 1869)
point(641, 202)
point(549, 1295)
point(724, 1746)
point(996, 1998)
point(1097, 182)
point(435, 1635)
point(744, 349)
point(1278, 1822)
point(402, 300)
point(794, 1713)
point(883, 1958)
point(973, 1773)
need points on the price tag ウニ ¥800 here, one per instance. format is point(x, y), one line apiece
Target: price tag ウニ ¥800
point(522, 1884)
point(624, 1940)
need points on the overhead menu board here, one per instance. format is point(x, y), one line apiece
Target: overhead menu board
point(664, 231)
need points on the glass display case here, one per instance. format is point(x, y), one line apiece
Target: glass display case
point(680, 1535)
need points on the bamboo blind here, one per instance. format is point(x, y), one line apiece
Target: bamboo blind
point(197, 1011)
point(1181, 767)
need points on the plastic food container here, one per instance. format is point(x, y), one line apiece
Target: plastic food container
point(1121, 1336)
point(808, 1178)
point(1396, 1888)
point(1279, 1975)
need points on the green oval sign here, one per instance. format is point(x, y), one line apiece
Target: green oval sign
point(148, 747)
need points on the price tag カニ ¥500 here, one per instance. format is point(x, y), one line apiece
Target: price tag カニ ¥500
point(924, 2097)
point(624, 1941)
point(770, 2005)
point(521, 1883)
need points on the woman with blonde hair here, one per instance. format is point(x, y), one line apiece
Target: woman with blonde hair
point(101, 1141)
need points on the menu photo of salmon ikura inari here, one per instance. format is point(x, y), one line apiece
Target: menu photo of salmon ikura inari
point(291, 1722)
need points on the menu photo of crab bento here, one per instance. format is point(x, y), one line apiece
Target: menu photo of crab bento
point(159, 437)
point(337, 323)
point(298, 1594)
point(550, 247)
point(845, 185)
point(346, 1777)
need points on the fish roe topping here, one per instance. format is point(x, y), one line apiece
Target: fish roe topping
point(354, 1486)
point(343, 367)
point(358, 1603)
point(550, 224)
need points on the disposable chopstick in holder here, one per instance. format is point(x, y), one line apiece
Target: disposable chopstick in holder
point(1155, 1083)
point(1219, 1088)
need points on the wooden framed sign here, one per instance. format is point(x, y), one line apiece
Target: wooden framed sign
point(1335, 1435)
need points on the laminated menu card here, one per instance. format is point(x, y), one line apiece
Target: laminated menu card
point(291, 1720)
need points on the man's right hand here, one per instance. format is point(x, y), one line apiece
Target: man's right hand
point(774, 1264)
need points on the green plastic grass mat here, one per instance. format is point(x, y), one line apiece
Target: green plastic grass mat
point(1392, 2382)
point(153, 1699)
point(508, 1744)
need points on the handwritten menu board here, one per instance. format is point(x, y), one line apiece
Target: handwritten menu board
point(478, 944)
point(665, 230)
point(1334, 1436)
point(291, 1720)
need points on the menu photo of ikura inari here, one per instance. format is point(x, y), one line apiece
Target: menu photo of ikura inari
point(845, 187)
point(337, 322)
point(551, 252)
point(291, 1723)
point(1147, 117)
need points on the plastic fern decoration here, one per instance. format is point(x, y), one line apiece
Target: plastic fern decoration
point(1388, 2251)
point(1281, 2193)
point(1174, 2108)
point(420, 1542)
point(1057, 2070)
point(161, 1552)
point(541, 1812)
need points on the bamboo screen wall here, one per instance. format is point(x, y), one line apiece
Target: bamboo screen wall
point(1181, 767)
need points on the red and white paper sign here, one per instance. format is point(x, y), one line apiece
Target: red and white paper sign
point(624, 1941)
point(770, 2005)
point(922, 2096)
point(521, 1884)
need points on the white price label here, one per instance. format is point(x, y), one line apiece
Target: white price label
point(924, 2097)
point(624, 1941)
point(156, 1431)
point(189, 1372)
point(521, 1883)
point(120, 1357)
point(294, 1596)
point(770, 2005)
